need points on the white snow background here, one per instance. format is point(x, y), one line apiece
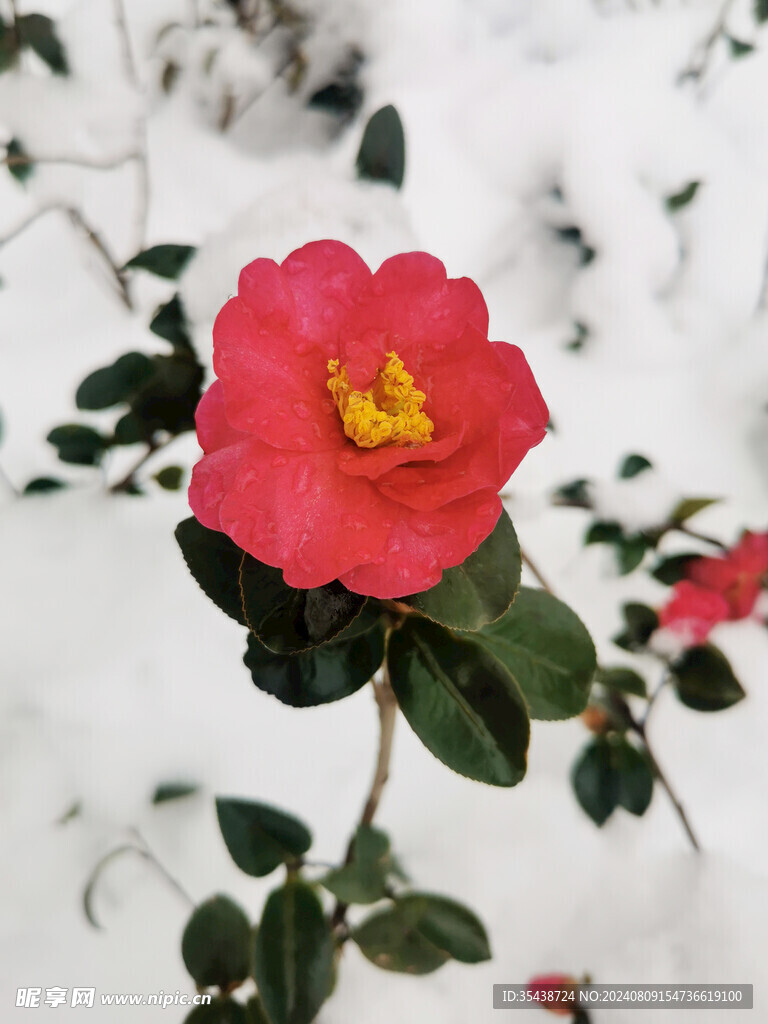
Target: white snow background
point(118, 674)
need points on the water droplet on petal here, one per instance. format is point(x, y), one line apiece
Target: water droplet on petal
point(302, 347)
point(301, 482)
point(302, 410)
point(329, 314)
point(301, 443)
point(279, 460)
point(350, 521)
point(272, 528)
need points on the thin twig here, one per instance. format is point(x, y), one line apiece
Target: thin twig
point(665, 678)
point(144, 850)
point(95, 163)
point(129, 480)
point(699, 62)
point(140, 157)
point(703, 537)
point(536, 571)
point(94, 238)
point(8, 483)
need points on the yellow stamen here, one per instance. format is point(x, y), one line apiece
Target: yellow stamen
point(389, 414)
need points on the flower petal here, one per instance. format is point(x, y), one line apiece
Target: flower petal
point(297, 511)
point(213, 428)
point(420, 546)
point(212, 478)
point(373, 462)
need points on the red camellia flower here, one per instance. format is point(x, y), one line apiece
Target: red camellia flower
point(362, 424)
point(692, 612)
point(544, 988)
point(738, 576)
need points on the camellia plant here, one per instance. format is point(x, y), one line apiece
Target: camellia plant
point(346, 513)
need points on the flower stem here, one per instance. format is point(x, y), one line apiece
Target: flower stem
point(527, 560)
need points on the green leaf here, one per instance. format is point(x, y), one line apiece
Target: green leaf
point(255, 1012)
point(166, 791)
point(448, 925)
point(364, 879)
point(116, 383)
point(129, 429)
point(640, 622)
point(170, 323)
point(381, 156)
point(214, 561)
point(39, 33)
point(260, 838)
point(8, 47)
point(78, 445)
point(603, 532)
point(20, 171)
point(548, 652)
point(162, 260)
point(635, 777)
point(219, 1011)
point(595, 780)
point(672, 569)
point(460, 701)
point(170, 478)
point(630, 552)
point(168, 399)
point(575, 493)
point(761, 11)
point(289, 621)
point(293, 962)
point(704, 679)
point(420, 932)
point(323, 674)
point(43, 485)
point(580, 337)
point(738, 48)
point(633, 465)
point(682, 198)
point(480, 589)
point(690, 506)
point(623, 680)
point(216, 943)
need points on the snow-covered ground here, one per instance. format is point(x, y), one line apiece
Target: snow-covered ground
point(118, 674)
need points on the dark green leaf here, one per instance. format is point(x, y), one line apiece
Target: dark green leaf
point(690, 506)
point(739, 48)
point(219, 1011)
point(22, 170)
point(480, 589)
point(460, 701)
point(255, 1012)
point(448, 925)
point(170, 478)
point(633, 465)
point(580, 337)
point(640, 622)
point(44, 484)
point(39, 33)
point(761, 11)
point(129, 429)
point(601, 532)
point(672, 569)
point(288, 621)
point(682, 198)
point(635, 777)
point(390, 939)
point(9, 50)
point(548, 652)
point(323, 674)
point(704, 679)
point(79, 445)
point(293, 962)
point(260, 838)
point(630, 552)
point(364, 879)
point(116, 383)
point(596, 781)
point(163, 260)
point(169, 398)
point(624, 680)
point(575, 493)
point(214, 561)
point(381, 156)
point(170, 323)
point(166, 791)
point(216, 944)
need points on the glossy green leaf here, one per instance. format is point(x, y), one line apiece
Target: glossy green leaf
point(38, 32)
point(364, 879)
point(704, 680)
point(214, 561)
point(624, 680)
point(170, 323)
point(672, 569)
point(169, 398)
point(630, 552)
point(738, 48)
point(595, 780)
point(44, 484)
point(78, 445)
point(633, 465)
point(640, 621)
point(323, 674)
point(288, 621)
point(260, 838)
point(390, 939)
point(114, 384)
point(690, 506)
point(219, 1011)
point(293, 961)
point(170, 478)
point(682, 198)
point(381, 156)
point(480, 589)
point(162, 260)
point(461, 702)
point(761, 11)
point(548, 652)
point(448, 925)
point(603, 532)
point(167, 791)
point(635, 777)
point(216, 944)
point(130, 429)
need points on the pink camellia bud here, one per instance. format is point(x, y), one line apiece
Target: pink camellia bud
point(545, 988)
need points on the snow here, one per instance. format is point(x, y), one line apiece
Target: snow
point(118, 674)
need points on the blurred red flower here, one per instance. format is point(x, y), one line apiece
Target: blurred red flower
point(541, 986)
point(362, 424)
point(738, 576)
point(692, 612)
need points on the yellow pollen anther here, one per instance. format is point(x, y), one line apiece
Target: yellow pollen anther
point(389, 414)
